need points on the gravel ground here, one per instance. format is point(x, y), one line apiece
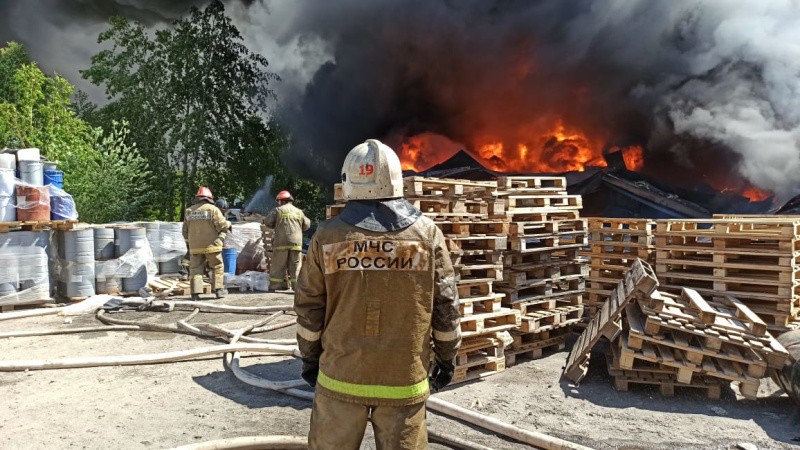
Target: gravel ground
point(167, 405)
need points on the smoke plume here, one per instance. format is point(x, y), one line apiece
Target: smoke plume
point(709, 89)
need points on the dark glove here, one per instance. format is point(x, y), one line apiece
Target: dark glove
point(442, 374)
point(309, 373)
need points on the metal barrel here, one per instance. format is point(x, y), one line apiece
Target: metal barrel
point(170, 266)
point(129, 238)
point(31, 172)
point(103, 244)
point(33, 203)
point(24, 267)
point(76, 254)
point(789, 377)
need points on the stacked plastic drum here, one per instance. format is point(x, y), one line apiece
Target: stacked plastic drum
point(24, 268)
point(132, 239)
point(8, 211)
point(33, 198)
point(76, 275)
point(106, 278)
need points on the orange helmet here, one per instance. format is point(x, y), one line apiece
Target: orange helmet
point(284, 195)
point(205, 192)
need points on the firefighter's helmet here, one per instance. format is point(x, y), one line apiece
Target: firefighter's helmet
point(284, 195)
point(372, 171)
point(204, 193)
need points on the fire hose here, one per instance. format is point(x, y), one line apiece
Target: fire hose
point(232, 354)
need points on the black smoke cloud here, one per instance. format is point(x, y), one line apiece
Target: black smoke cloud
point(710, 88)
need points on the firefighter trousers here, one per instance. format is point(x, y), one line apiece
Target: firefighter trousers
point(340, 425)
point(197, 268)
point(284, 261)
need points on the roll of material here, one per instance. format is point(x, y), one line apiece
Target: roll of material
point(103, 244)
point(8, 161)
point(31, 172)
point(129, 238)
point(33, 203)
point(76, 256)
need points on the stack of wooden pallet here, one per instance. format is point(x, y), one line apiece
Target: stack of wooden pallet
point(614, 244)
point(460, 208)
point(694, 343)
point(752, 259)
point(677, 340)
point(543, 275)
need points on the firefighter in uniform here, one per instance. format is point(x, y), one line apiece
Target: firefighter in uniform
point(289, 223)
point(377, 286)
point(204, 229)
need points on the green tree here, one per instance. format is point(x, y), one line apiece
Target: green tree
point(194, 96)
point(101, 171)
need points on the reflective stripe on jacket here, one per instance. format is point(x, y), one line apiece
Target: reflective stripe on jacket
point(373, 301)
point(202, 225)
point(289, 223)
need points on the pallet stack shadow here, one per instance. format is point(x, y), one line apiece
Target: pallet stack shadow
point(460, 208)
point(614, 244)
point(543, 276)
point(752, 259)
point(673, 341)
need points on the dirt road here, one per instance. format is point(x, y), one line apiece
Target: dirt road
point(162, 406)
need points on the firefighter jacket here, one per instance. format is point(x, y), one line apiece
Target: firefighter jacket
point(368, 304)
point(204, 227)
point(289, 223)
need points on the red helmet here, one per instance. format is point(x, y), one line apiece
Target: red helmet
point(284, 195)
point(205, 192)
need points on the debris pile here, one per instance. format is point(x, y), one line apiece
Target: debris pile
point(614, 244)
point(543, 276)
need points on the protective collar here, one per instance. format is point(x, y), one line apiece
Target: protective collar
point(380, 215)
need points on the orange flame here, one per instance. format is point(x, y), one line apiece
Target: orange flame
point(756, 195)
point(634, 157)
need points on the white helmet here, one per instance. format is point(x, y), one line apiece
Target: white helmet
point(372, 171)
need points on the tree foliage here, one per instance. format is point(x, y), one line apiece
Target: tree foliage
point(102, 172)
point(195, 98)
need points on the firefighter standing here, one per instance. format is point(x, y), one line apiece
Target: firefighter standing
point(204, 229)
point(289, 223)
point(377, 286)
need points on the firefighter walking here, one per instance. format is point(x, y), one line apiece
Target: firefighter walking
point(377, 286)
point(289, 223)
point(204, 229)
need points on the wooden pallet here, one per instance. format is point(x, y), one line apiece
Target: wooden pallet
point(548, 319)
point(441, 205)
point(531, 184)
point(541, 215)
point(512, 259)
point(526, 244)
point(446, 187)
point(478, 272)
point(687, 370)
point(640, 279)
point(479, 357)
point(472, 257)
point(548, 271)
point(531, 346)
point(547, 303)
point(542, 289)
point(532, 204)
point(547, 228)
point(479, 305)
point(172, 286)
point(473, 228)
point(486, 323)
point(6, 227)
point(460, 244)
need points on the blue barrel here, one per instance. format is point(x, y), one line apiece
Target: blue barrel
point(62, 205)
point(54, 177)
point(229, 260)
